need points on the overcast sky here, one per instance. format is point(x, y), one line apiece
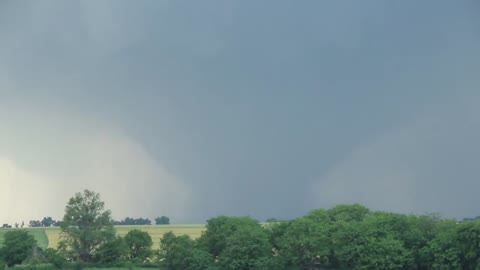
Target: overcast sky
point(192, 109)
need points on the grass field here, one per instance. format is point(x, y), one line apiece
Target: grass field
point(49, 237)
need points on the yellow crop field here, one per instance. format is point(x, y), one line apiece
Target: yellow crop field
point(155, 231)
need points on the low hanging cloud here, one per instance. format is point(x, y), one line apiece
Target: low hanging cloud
point(427, 165)
point(51, 148)
point(22, 193)
point(47, 156)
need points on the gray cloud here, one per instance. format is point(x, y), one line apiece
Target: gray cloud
point(237, 107)
point(49, 154)
point(426, 165)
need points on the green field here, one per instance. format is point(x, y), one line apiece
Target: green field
point(49, 237)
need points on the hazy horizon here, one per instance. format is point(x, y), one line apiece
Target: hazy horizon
point(268, 109)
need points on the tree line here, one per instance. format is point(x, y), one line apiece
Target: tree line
point(50, 222)
point(342, 237)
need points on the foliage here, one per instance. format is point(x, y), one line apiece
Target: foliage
point(18, 245)
point(35, 223)
point(275, 233)
point(139, 245)
point(86, 226)
point(35, 266)
point(214, 239)
point(133, 221)
point(163, 220)
point(444, 249)
point(468, 237)
point(247, 246)
point(306, 244)
point(55, 257)
point(112, 251)
point(383, 254)
point(348, 212)
point(343, 237)
point(180, 252)
point(47, 222)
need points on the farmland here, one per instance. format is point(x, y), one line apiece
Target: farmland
point(49, 237)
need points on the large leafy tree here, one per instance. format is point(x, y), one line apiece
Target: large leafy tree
point(139, 244)
point(18, 245)
point(247, 248)
point(383, 254)
point(444, 248)
point(86, 226)
point(468, 235)
point(306, 244)
point(214, 239)
point(181, 252)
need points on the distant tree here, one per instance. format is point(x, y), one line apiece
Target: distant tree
point(47, 222)
point(57, 223)
point(128, 221)
point(35, 223)
point(86, 226)
point(163, 220)
point(139, 245)
point(133, 221)
point(16, 225)
point(18, 245)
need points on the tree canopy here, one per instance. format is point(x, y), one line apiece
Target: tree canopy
point(344, 237)
point(86, 226)
point(18, 245)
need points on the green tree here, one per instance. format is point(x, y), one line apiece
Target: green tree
point(468, 237)
point(139, 244)
point(181, 252)
point(174, 250)
point(306, 244)
point(18, 245)
point(163, 220)
point(86, 226)
point(55, 257)
point(444, 250)
point(218, 229)
point(383, 254)
point(247, 247)
point(112, 251)
point(47, 222)
point(348, 212)
point(320, 216)
point(275, 232)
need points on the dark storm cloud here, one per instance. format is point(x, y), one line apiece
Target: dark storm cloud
point(240, 107)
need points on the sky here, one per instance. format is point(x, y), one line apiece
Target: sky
point(193, 109)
